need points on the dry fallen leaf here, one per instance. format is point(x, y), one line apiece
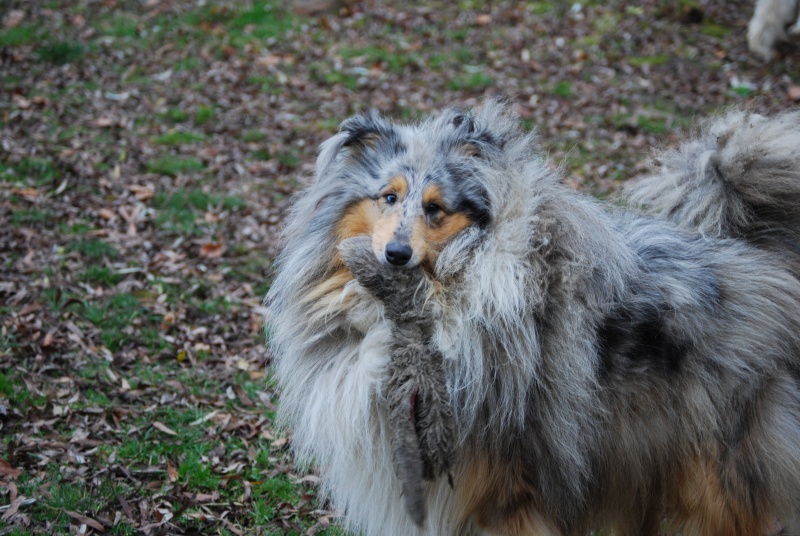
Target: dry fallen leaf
point(164, 428)
point(26, 192)
point(212, 250)
point(142, 193)
point(13, 18)
point(102, 122)
point(172, 473)
point(86, 520)
point(7, 471)
point(106, 213)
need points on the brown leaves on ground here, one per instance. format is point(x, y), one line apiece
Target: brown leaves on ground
point(148, 151)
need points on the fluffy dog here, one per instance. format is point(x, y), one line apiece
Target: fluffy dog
point(773, 22)
point(605, 368)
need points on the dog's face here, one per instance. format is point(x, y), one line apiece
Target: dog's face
point(412, 189)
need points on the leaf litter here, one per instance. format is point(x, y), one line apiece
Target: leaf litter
point(149, 152)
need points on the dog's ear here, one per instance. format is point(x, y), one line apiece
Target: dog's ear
point(477, 135)
point(364, 131)
point(356, 135)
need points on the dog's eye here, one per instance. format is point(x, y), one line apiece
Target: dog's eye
point(391, 199)
point(432, 208)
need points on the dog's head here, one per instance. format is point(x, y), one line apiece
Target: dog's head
point(410, 188)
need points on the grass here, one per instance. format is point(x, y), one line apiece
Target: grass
point(116, 314)
point(176, 115)
point(174, 165)
point(100, 275)
point(182, 211)
point(653, 125)
point(32, 216)
point(253, 136)
point(203, 115)
point(117, 293)
point(640, 61)
point(20, 35)
point(562, 88)
point(61, 52)
point(388, 59)
point(92, 248)
point(34, 171)
point(175, 138)
point(471, 82)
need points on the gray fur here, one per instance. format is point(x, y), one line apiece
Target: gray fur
point(593, 356)
point(738, 177)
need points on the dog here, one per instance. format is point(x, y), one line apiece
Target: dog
point(631, 367)
point(773, 21)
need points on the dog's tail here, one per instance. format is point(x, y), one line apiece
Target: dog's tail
point(739, 177)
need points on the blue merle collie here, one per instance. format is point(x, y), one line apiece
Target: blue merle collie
point(632, 368)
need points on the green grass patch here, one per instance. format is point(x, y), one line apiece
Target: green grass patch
point(121, 26)
point(96, 274)
point(203, 115)
point(13, 388)
point(61, 52)
point(606, 23)
point(652, 125)
point(93, 248)
point(182, 210)
point(253, 136)
point(741, 91)
point(377, 55)
point(174, 165)
point(8, 387)
point(75, 228)
point(35, 170)
point(263, 19)
point(347, 80)
point(117, 314)
point(562, 89)
point(261, 155)
point(179, 137)
point(471, 82)
point(32, 216)
point(87, 497)
point(288, 158)
point(639, 61)
point(19, 36)
point(190, 63)
point(176, 115)
point(715, 30)
point(540, 8)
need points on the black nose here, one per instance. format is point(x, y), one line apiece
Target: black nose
point(397, 253)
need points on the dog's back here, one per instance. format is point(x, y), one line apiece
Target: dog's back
point(739, 178)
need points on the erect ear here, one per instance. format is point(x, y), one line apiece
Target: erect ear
point(356, 134)
point(364, 131)
point(481, 134)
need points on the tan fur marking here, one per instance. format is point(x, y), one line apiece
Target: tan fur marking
point(332, 285)
point(703, 507)
point(398, 185)
point(432, 194)
point(359, 219)
point(449, 226)
point(384, 230)
point(431, 238)
point(492, 495)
